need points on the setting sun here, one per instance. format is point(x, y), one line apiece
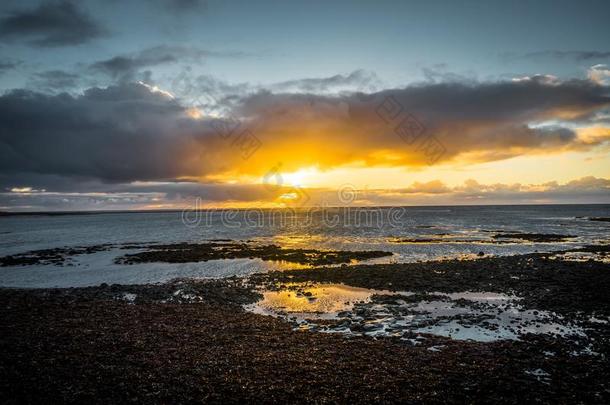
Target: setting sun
point(301, 178)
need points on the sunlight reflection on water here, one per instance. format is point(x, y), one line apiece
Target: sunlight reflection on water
point(324, 300)
point(480, 316)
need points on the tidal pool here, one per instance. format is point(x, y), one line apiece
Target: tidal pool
point(468, 315)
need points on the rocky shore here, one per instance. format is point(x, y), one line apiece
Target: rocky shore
point(196, 252)
point(193, 252)
point(192, 341)
point(541, 279)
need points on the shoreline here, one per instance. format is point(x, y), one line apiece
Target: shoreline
point(148, 343)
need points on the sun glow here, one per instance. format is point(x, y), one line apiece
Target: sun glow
point(301, 178)
point(289, 197)
point(194, 113)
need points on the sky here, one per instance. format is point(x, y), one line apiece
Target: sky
point(162, 104)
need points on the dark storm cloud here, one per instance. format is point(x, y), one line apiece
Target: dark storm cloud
point(53, 23)
point(216, 95)
point(480, 122)
point(6, 65)
point(126, 66)
point(132, 132)
point(122, 133)
point(54, 80)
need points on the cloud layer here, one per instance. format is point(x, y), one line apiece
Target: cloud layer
point(579, 56)
point(133, 131)
point(126, 67)
point(51, 24)
point(184, 195)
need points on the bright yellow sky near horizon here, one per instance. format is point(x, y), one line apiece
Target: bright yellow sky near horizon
point(529, 169)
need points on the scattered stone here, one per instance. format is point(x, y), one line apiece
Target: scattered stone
point(56, 256)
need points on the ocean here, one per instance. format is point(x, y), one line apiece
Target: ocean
point(411, 233)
